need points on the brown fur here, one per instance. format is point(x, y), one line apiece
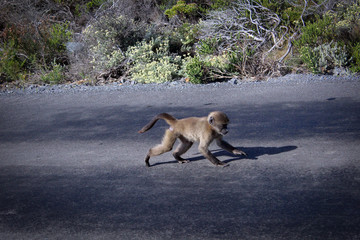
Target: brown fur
point(190, 130)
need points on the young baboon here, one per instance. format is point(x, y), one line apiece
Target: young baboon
point(190, 130)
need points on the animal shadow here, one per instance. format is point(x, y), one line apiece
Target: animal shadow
point(252, 153)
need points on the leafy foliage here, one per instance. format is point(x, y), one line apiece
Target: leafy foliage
point(332, 40)
point(10, 64)
point(151, 62)
point(324, 57)
point(185, 37)
point(208, 68)
point(194, 70)
point(94, 4)
point(319, 32)
point(109, 37)
point(28, 49)
point(355, 53)
point(183, 9)
point(55, 75)
point(208, 46)
point(160, 41)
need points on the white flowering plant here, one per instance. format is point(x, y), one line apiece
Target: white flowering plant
point(152, 62)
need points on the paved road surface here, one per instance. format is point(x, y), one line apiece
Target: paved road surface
point(72, 164)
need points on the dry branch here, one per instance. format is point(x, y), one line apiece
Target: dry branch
point(247, 21)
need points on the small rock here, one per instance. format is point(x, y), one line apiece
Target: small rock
point(234, 81)
point(74, 47)
point(340, 71)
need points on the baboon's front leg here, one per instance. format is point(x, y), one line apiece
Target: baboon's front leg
point(206, 152)
point(228, 147)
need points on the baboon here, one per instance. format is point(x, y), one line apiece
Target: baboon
point(190, 130)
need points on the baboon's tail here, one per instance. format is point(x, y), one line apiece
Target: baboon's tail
point(167, 117)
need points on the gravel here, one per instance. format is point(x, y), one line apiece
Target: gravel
point(131, 86)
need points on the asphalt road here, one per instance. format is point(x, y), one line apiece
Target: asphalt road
point(72, 164)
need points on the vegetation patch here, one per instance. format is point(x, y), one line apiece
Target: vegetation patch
point(159, 41)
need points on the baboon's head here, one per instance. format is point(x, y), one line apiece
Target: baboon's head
point(218, 121)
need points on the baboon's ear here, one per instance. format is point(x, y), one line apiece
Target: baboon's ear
point(211, 120)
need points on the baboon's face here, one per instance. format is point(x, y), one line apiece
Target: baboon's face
point(219, 121)
point(224, 129)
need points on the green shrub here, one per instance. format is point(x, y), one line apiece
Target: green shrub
point(289, 13)
point(151, 62)
point(220, 4)
point(11, 66)
point(109, 38)
point(42, 43)
point(93, 4)
point(324, 57)
point(333, 40)
point(182, 9)
point(244, 60)
point(355, 53)
point(310, 58)
point(53, 76)
point(154, 72)
point(220, 62)
point(204, 69)
point(320, 32)
point(55, 41)
point(184, 35)
point(348, 19)
point(348, 31)
point(208, 46)
point(27, 49)
point(194, 70)
point(59, 35)
point(236, 59)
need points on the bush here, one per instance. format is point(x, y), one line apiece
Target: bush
point(320, 32)
point(108, 39)
point(93, 4)
point(11, 66)
point(151, 62)
point(55, 75)
point(332, 41)
point(182, 9)
point(244, 31)
point(348, 22)
point(244, 21)
point(27, 49)
point(290, 11)
point(208, 46)
point(194, 70)
point(220, 4)
point(348, 31)
point(59, 35)
point(204, 69)
point(183, 38)
point(355, 53)
point(324, 57)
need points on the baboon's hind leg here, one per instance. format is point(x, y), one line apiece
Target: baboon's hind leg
point(165, 146)
point(181, 149)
